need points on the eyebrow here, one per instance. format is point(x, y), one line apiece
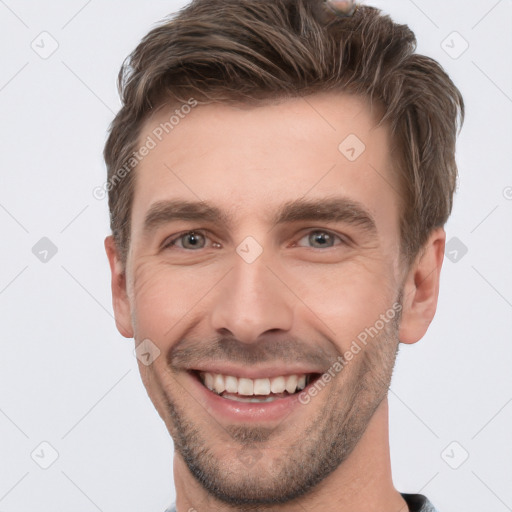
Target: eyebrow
point(329, 209)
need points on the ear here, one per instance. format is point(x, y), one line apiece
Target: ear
point(120, 300)
point(421, 288)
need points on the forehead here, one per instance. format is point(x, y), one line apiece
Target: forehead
point(246, 157)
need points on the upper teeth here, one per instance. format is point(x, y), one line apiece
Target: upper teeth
point(243, 386)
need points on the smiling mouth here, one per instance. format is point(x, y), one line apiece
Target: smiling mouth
point(241, 389)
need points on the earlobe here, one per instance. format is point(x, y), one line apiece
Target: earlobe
point(120, 301)
point(421, 289)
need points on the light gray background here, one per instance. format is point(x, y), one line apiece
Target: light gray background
point(69, 379)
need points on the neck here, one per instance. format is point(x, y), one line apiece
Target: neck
point(362, 482)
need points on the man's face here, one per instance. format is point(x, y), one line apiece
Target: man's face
point(294, 253)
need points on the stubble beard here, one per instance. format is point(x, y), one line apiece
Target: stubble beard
point(349, 404)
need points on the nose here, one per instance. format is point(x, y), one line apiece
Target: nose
point(251, 301)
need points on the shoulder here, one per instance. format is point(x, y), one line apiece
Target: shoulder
point(418, 503)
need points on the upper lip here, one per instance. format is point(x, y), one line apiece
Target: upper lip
point(256, 373)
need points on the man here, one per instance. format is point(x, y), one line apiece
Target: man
point(279, 176)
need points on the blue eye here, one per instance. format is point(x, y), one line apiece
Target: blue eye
point(320, 239)
point(190, 240)
point(195, 240)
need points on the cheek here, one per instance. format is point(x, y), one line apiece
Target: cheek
point(347, 299)
point(164, 296)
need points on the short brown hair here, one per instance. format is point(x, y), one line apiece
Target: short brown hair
point(251, 50)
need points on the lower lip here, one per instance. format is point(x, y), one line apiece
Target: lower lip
point(231, 410)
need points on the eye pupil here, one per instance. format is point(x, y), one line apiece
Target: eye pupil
point(320, 237)
point(194, 239)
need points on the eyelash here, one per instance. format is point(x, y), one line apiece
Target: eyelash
point(169, 243)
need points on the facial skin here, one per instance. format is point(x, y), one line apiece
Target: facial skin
point(295, 309)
